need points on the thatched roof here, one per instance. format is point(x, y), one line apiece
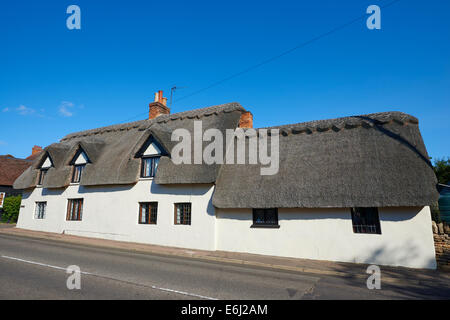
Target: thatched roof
point(112, 151)
point(372, 160)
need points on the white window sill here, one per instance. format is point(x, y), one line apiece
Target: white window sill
point(144, 179)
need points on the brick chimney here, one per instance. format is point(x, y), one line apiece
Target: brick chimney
point(246, 120)
point(159, 106)
point(36, 150)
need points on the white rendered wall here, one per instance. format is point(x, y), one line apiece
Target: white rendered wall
point(112, 213)
point(327, 234)
point(322, 234)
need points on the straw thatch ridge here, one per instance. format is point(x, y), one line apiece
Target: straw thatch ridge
point(372, 160)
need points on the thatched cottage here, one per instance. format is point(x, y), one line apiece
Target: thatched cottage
point(354, 189)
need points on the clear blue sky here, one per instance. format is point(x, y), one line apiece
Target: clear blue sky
point(54, 81)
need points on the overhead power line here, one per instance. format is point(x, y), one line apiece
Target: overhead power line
point(284, 53)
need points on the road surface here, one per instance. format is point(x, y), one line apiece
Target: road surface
point(36, 269)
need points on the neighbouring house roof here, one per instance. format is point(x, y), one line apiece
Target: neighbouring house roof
point(369, 160)
point(11, 168)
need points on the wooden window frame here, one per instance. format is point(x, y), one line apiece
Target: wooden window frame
point(272, 223)
point(367, 224)
point(76, 168)
point(42, 174)
point(79, 209)
point(183, 222)
point(150, 207)
point(38, 203)
point(153, 167)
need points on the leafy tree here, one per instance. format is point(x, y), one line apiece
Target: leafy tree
point(11, 207)
point(442, 170)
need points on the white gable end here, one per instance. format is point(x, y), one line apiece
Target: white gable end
point(47, 163)
point(151, 150)
point(81, 159)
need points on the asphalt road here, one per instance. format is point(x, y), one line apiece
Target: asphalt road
point(36, 269)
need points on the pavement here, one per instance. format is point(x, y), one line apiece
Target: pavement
point(33, 267)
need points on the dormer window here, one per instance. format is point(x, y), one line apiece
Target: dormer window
point(149, 165)
point(47, 164)
point(42, 176)
point(79, 161)
point(150, 158)
point(77, 171)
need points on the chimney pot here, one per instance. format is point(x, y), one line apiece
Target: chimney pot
point(246, 120)
point(159, 106)
point(36, 149)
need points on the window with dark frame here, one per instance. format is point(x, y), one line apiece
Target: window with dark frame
point(183, 213)
point(77, 171)
point(148, 166)
point(42, 174)
point(40, 210)
point(265, 217)
point(148, 212)
point(366, 220)
point(74, 209)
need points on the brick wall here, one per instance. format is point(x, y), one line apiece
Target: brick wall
point(441, 236)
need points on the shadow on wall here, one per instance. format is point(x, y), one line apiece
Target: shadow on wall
point(399, 255)
point(52, 192)
point(180, 189)
point(104, 189)
point(399, 214)
point(185, 190)
point(393, 259)
point(386, 214)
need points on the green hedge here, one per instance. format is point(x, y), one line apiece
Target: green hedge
point(11, 207)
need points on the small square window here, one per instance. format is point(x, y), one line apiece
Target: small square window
point(148, 212)
point(40, 210)
point(265, 218)
point(183, 213)
point(366, 220)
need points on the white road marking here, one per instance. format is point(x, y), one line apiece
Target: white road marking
point(93, 274)
point(41, 264)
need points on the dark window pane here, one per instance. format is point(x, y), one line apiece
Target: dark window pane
point(149, 166)
point(365, 220)
point(40, 210)
point(183, 213)
point(148, 212)
point(42, 176)
point(75, 209)
point(265, 216)
point(77, 171)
